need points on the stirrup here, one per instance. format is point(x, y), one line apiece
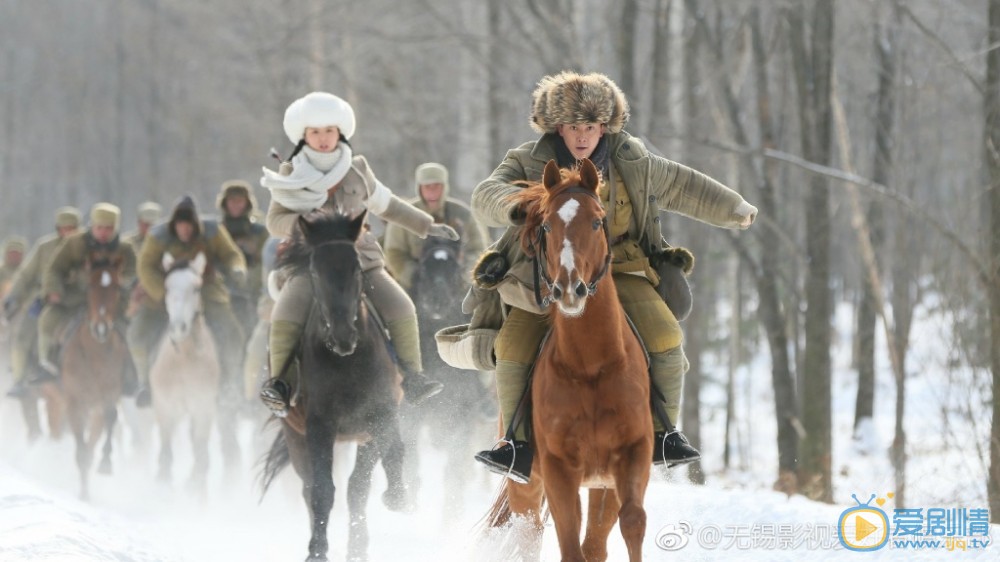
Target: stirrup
point(673, 449)
point(513, 460)
point(273, 398)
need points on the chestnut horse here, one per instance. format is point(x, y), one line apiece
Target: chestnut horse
point(92, 366)
point(184, 377)
point(592, 426)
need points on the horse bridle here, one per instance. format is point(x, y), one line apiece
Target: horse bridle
point(538, 247)
point(327, 326)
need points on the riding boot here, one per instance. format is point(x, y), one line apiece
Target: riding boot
point(18, 364)
point(405, 335)
point(670, 446)
point(276, 392)
point(47, 354)
point(19, 389)
point(513, 458)
point(130, 379)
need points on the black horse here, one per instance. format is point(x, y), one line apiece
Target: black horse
point(349, 386)
point(464, 413)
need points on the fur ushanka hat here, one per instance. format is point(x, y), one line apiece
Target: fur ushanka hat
point(568, 98)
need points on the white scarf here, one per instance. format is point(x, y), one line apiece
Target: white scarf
point(305, 189)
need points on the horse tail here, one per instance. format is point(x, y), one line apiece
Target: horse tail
point(499, 513)
point(277, 458)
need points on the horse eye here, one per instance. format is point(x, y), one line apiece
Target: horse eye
point(597, 224)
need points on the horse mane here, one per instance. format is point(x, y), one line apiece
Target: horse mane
point(535, 198)
point(322, 227)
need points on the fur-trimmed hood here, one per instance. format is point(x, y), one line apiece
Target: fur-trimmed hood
point(569, 97)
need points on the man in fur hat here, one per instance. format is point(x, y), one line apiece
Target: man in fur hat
point(403, 248)
point(583, 116)
point(184, 236)
point(237, 204)
point(64, 281)
point(24, 302)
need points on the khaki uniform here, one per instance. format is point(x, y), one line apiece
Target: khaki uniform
point(403, 249)
point(66, 276)
point(356, 192)
point(7, 273)
point(250, 237)
point(224, 257)
point(644, 185)
point(26, 293)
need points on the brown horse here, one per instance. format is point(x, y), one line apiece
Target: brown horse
point(185, 376)
point(93, 362)
point(591, 420)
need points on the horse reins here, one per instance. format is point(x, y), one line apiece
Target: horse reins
point(539, 249)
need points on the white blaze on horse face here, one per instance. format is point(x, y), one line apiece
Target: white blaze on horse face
point(105, 279)
point(566, 257)
point(567, 212)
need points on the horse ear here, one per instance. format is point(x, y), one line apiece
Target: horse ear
point(354, 230)
point(198, 263)
point(551, 177)
point(168, 261)
point(589, 177)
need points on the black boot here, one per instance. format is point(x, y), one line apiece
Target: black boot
point(512, 459)
point(47, 372)
point(673, 449)
point(276, 395)
point(19, 390)
point(417, 387)
point(130, 379)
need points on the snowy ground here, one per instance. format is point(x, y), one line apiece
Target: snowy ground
point(735, 516)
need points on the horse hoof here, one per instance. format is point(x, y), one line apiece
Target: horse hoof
point(104, 468)
point(319, 558)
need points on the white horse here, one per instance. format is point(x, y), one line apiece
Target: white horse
point(184, 378)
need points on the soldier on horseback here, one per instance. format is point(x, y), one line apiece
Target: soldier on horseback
point(184, 236)
point(403, 249)
point(237, 204)
point(324, 174)
point(148, 214)
point(583, 116)
point(64, 282)
point(13, 255)
point(27, 290)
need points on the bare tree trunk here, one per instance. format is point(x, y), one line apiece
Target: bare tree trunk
point(772, 316)
point(814, 70)
point(626, 38)
point(659, 103)
point(992, 156)
point(885, 47)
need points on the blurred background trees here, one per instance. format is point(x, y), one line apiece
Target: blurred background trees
point(150, 99)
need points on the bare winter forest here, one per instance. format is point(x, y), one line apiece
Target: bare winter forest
point(866, 131)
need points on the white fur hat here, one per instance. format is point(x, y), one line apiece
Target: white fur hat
point(318, 109)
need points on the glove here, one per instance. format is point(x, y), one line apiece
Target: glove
point(442, 231)
point(748, 214)
point(9, 307)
